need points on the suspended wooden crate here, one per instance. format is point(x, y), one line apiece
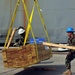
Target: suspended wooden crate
point(29, 54)
point(25, 55)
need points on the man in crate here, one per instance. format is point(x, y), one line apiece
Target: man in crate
point(19, 41)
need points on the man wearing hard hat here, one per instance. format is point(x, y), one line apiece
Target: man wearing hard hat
point(71, 55)
point(21, 32)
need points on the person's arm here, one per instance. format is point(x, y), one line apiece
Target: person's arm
point(73, 44)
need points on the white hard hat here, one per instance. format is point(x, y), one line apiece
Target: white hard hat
point(21, 31)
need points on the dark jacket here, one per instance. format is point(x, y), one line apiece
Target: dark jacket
point(71, 42)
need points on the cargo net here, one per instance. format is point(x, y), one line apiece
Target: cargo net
point(25, 56)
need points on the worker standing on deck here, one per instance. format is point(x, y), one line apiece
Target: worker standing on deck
point(19, 41)
point(71, 55)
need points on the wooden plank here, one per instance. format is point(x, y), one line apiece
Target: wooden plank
point(12, 35)
point(58, 45)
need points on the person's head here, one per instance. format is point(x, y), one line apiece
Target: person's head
point(21, 31)
point(70, 31)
